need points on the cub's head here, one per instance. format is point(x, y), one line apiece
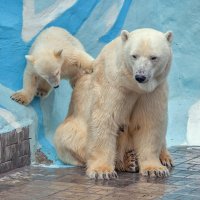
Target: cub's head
point(48, 66)
point(147, 54)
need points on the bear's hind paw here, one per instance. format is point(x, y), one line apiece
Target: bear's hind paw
point(131, 162)
point(152, 171)
point(166, 160)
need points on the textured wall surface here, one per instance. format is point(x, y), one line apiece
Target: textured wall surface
point(14, 149)
point(94, 23)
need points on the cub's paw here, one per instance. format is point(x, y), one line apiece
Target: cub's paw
point(88, 70)
point(166, 159)
point(101, 173)
point(42, 93)
point(131, 162)
point(154, 171)
point(21, 98)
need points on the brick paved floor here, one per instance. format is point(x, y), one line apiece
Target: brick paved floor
point(31, 183)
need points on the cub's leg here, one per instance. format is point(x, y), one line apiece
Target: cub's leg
point(43, 89)
point(30, 84)
point(70, 141)
point(84, 61)
point(148, 129)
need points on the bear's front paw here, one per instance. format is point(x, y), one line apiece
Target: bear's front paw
point(166, 159)
point(154, 171)
point(88, 70)
point(21, 98)
point(101, 173)
point(131, 162)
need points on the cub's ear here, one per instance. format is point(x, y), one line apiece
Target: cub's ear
point(124, 35)
point(57, 53)
point(169, 36)
point(30, 58)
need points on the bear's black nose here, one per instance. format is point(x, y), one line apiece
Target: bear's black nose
point(56, 86)
point(140, 78)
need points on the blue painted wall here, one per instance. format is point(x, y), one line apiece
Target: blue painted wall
point(95, 23)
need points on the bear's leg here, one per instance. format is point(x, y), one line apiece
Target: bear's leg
point(165, 157)
point(126, 158)
point(148, 149)
point(101, 147)
point(150, 165)
point(148, 129)
point(84, 61)
point(26, 95)
point(70, 141)
point(43, 89)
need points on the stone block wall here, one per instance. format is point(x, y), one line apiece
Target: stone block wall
point(14, 149)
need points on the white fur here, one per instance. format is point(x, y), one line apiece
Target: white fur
point(111, 97)
point(55, 54)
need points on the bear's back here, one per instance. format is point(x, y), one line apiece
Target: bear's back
point(55, 37)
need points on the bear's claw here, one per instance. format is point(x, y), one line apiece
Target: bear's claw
point(102, 175)
point(166, 159)
point(167, 163)
point(19, 98)
point(155, 172)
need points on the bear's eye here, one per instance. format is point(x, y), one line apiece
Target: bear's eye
point(134, 56)
point(153, 58)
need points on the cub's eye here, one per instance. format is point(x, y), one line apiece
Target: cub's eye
point(153, 58)
point(134, 56)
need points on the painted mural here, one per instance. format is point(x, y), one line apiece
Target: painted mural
point(95, 23)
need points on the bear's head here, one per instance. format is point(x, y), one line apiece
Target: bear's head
point(48, 66)
point(147, 55)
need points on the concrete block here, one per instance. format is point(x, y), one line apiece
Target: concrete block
point(6, 166)
point(24, 148)
point(11, 138)
point(14, 150)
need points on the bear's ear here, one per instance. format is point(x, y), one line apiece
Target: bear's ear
point(124, 35)
point(57, 53)
point(169, 36)
point(30, 58)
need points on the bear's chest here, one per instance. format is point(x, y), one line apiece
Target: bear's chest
point(123, 108)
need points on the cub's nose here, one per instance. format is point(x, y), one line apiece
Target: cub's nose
point(140, 78)
point(56, 86)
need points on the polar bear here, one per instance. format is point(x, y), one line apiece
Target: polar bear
point(127, 91)
point(54, 55)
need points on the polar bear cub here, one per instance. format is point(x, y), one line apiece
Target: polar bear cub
point(54, 55)
point(128, 89)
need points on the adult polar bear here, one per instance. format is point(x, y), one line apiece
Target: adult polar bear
point(127, 89)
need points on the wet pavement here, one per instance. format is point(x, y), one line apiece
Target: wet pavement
point(32, 182)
